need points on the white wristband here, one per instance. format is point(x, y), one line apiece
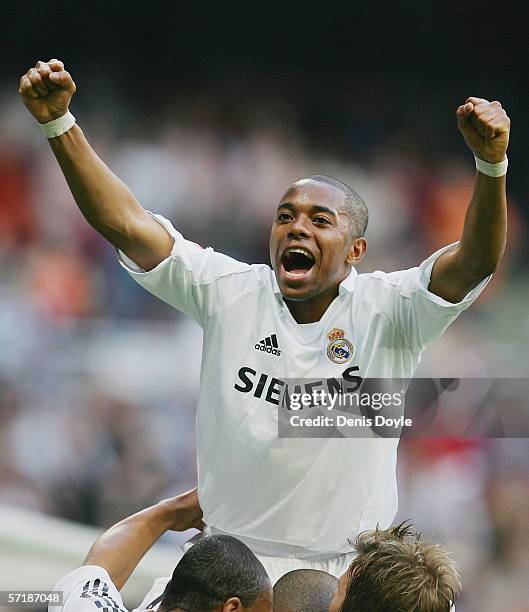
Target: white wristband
point(55, 128)
point(491, 169)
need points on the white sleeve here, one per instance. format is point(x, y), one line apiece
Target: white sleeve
point(88, 589)
point(187, 279)
point(421, 315)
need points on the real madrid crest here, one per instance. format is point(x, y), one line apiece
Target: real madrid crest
point(340, 349)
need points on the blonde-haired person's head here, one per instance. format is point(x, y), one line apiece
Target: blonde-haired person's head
point(397, 570)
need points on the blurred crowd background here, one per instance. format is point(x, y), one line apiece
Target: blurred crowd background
point(208, 114)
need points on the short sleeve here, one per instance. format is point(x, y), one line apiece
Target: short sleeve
point(188, 278)
point(88, 589)
point(421, 315)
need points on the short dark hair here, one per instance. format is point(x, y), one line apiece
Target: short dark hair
point(396, 569)
point(214, 569)
point(304, 590)
point(355, 205)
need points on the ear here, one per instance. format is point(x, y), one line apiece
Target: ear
point(356, 252)
point(232, 604)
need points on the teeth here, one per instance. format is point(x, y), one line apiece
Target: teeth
point(302, 251)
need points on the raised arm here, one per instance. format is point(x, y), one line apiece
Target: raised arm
point(485, 127)
point(106, 203)
point(121, 548)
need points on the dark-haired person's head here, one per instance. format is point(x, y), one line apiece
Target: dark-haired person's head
point(395, 570)
point(304, 590)
point(218, 574)
point(317, 236)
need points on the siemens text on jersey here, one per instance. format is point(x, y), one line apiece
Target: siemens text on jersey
point(277, 389)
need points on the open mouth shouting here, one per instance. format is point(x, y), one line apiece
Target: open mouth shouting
point(296, 263)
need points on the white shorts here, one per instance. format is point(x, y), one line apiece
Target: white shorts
point(279, 566)
point(279, 559)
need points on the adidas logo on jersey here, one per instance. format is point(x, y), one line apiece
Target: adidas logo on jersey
point(269, 345)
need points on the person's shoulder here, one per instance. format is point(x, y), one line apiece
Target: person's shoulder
point(265, 276)
point(263, 270)
point(85, 587)
point(79, 574)
point(381, 290)
point(245, 279)
point(235, 267)
point(378, 280)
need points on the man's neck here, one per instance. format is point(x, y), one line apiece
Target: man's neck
point(310, 311)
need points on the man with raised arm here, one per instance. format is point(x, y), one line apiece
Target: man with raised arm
point(219, 574)
point(296, 503)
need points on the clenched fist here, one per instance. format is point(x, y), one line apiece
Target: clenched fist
point(485, 127)
point(46, 90)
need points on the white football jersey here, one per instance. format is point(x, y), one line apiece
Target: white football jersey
point(88, 589)
point(314, 493)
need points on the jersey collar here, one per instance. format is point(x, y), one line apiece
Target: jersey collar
point(346, 285)
point(348, 282)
